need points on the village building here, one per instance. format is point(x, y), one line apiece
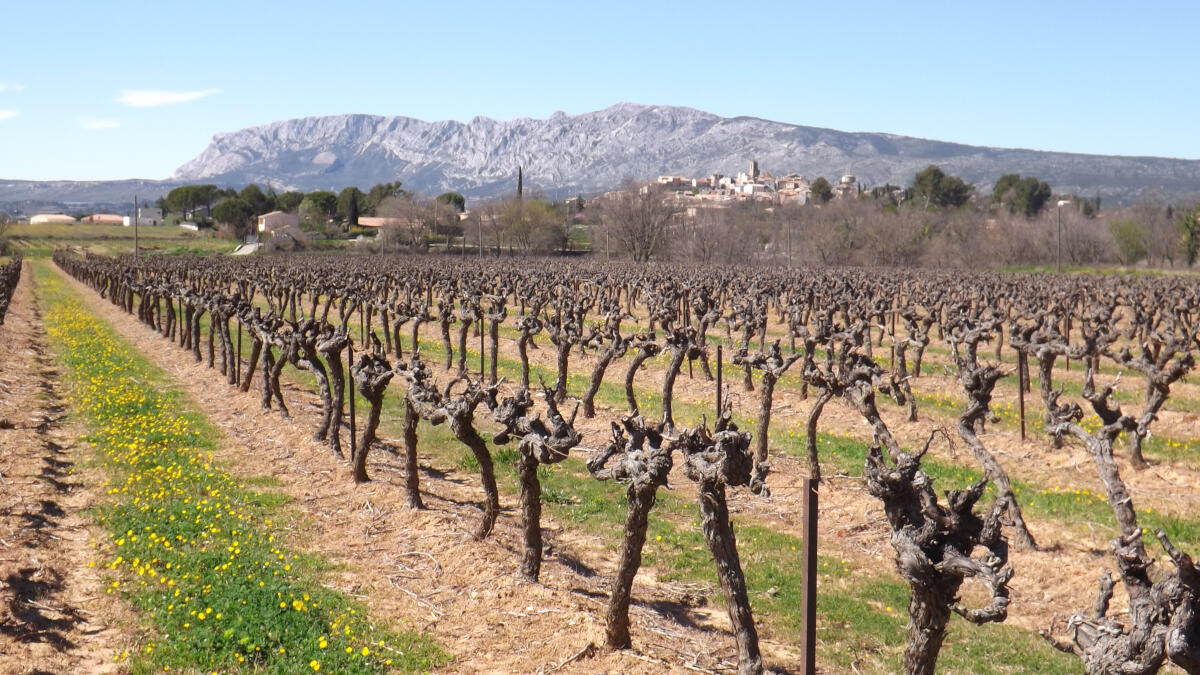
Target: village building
point(146, 215)
point(277, 221)
point(381, 221)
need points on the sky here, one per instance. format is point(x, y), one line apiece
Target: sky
point(121, 89)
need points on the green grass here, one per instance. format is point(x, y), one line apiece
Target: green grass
point(42, 240)
point(862, 617)
point(862, 613)
point(842, 454)
point(190, 546)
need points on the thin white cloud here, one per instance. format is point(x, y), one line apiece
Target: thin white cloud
point(10, 86)
point(7, 114)
point(145, 98)
point(100, 124)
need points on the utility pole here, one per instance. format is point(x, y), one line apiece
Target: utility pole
point(789, 235)
point(136, 252)
point(1058, 217)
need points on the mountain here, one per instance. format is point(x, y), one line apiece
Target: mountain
point(592, 152)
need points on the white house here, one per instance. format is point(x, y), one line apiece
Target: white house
point(277, 221)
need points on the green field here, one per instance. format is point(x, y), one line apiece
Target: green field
point(42, 240)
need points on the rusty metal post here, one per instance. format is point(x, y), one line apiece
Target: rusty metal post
point(350, 379)
point(808, 576)
point(1022, 377)
point(237, 380)
point(892, 365)
point(1068, 336)
point(718, 382)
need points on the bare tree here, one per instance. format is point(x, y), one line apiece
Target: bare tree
point(410, 227)
point(639, 221)
point(532, 226)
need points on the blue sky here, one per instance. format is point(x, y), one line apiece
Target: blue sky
point(103, 90)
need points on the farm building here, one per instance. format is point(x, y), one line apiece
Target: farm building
point(51, 218)
point(103, 219)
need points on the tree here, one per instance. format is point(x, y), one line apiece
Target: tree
point(410, 229)
point(1189, 230)
point(348, 209)
point(532, 226)
point(254, 197)
point(1021, 195)
point(352, 210)
point(820, 190)
point(368, 205)
point(207, 195)
point(6, 221)
point(638, 221)
point(289, 201)
point(184, 198)
point(934, 187)
point(319, 205)
point(1130, 237)
point(454, 199)
point(236, 213)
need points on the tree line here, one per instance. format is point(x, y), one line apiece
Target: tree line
point(939, 219)
point(235, 211)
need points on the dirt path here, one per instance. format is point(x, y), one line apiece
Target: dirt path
point(54, 618)
point(423, 569)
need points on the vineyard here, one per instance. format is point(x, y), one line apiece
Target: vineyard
point(10, 274)
point(738, 413)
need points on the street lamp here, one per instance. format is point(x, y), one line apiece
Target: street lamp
point(1058, 216)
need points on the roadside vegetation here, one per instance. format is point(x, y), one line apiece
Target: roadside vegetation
point(192, 547)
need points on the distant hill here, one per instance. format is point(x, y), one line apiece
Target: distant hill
point(588, 153)
point(63, 193)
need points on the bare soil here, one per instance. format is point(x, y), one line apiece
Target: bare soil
point(422, 569)
point(54, 616)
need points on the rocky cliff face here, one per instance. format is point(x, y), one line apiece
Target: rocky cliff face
point(584, 154)
point(595, 151)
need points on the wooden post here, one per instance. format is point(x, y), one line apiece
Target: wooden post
point(808, 576)
point(481, 350)
point(1022, 377)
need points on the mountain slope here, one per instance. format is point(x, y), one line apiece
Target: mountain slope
point(595, 151)
point(569, 154)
